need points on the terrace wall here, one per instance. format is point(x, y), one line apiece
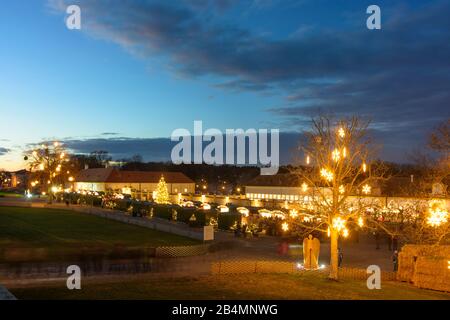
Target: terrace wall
point(425, 266)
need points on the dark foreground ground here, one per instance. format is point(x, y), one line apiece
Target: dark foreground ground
point(247, 286)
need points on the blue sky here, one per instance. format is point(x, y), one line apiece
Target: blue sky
point(140, 69)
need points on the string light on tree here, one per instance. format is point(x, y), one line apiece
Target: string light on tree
point(304, 187)
point(345, 233)
point(336, 155)
point(366, 189)
point(326, 174)
point(285, 226)
point(341, 132)
point(341, 189)
point(361, 222)
point(438, 215)
point(364, 167)
point(338, 223)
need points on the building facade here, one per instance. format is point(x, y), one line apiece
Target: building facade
point(138, 183)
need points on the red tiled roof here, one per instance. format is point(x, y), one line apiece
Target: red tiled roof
point(94, 175)
point(114, 175)
point(147, 176)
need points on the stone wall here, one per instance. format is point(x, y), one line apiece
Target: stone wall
point(425, 266)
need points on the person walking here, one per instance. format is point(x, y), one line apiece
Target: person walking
point(395, 243)
point(395, 260)
point(340, 257)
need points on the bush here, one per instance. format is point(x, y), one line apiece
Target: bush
point(227, 220)
point(123, 205)
point(202, 217)
point(141, 209)
point(163, 212)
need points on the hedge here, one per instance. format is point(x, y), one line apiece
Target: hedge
point(227, 220)
point(163, 212)
point(123, 205)
point(141, 208)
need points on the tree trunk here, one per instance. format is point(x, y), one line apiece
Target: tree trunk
point(334, 254)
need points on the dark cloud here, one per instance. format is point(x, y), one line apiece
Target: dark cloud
point(4, 151)
point(399, 76)
point(109, 133)
point(151, 149)
point(159, 149)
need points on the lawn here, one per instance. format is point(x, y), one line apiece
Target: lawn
point(10, 195)
point(246, 286)
point(52, 229)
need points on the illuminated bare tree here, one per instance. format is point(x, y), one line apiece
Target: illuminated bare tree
point(49, 164)
point(339, 171)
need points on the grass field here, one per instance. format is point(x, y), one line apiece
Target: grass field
point(62, 229)
point(248, 286)
point(10, 195)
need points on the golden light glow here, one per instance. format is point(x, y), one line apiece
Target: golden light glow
point(62, 155)
point(328, 232)
point(360, 222)
point(345, 233)
point(326, 174)
point(336, 155)
point(341, 189)
point(285, 226)
point(304, 187)
point(366, 189)
point(338, 223)
point(438, 215)
point(344, 152)
point(308, 160)
point(56, 143)
point(364, 167)
point(341, 132)
point(34, 153)
point(293, 213)
point(41, 166)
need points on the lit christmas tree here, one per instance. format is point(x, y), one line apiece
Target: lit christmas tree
point(162, 193)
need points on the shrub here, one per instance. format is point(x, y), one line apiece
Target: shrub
point(163, 212)
point(141, 208)
point(123, 205)
point(227, 220)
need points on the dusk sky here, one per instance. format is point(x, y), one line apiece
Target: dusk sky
point(137, 70)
